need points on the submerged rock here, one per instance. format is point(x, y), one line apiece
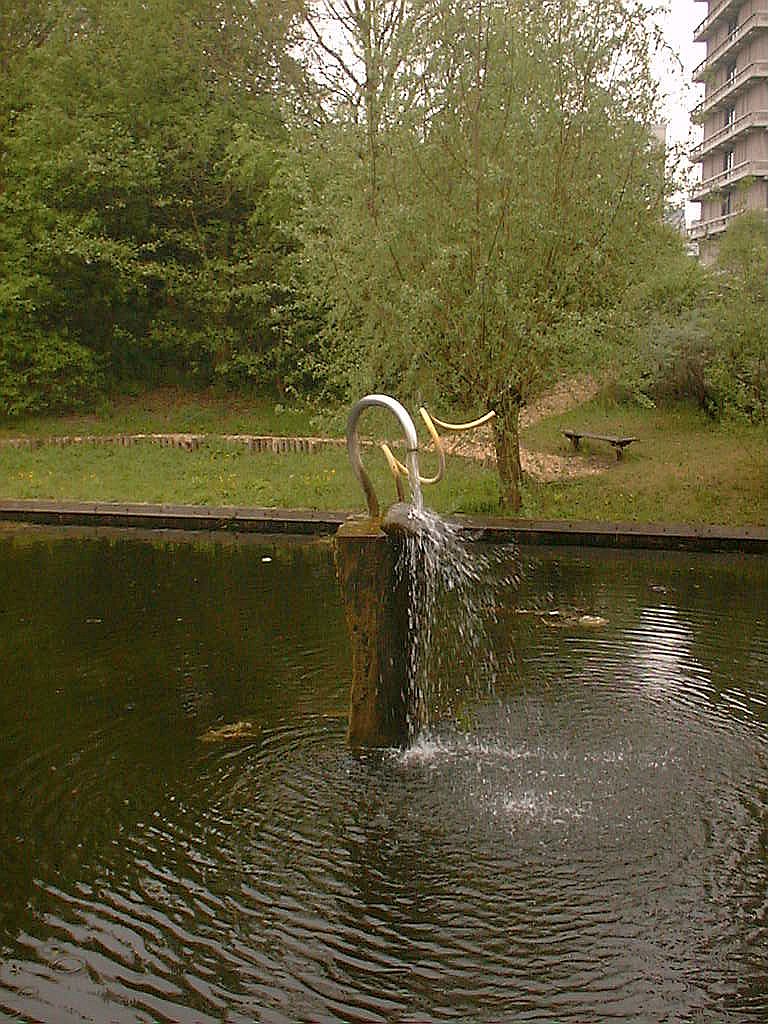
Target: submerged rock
point(592, 621)
point(233, 732)
point(565, 617)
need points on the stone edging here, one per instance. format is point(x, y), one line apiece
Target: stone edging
point(653, 536)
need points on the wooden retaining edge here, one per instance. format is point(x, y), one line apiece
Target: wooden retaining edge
point(281, 445)
point(188, 442)
point(653, 536)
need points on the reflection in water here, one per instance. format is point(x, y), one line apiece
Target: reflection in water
point(593, 848)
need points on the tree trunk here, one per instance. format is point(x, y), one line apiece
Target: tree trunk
point(506, 436)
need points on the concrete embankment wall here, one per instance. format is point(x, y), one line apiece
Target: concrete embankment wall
point(748, 539)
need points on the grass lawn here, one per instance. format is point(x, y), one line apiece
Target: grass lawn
point(220, 475)
point(683, 469)
point(169, 410)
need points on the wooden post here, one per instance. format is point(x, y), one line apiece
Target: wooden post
point(375, 600)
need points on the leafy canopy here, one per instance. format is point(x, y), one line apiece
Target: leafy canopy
point(138, 220)
point(484, 190)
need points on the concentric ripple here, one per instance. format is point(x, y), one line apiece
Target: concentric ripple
point(589, 845)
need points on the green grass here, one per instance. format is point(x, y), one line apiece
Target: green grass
point(684, 468)
point(168, 410)
point(217, 475)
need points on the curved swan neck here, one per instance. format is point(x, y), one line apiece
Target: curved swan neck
point(411, 441)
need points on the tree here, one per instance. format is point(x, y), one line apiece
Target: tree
point(489, 195)
point(737, 374)
point(139, 148)
point(23, 26)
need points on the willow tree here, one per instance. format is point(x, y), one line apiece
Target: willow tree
point(477, 232)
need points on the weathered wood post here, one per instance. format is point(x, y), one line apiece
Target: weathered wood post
point(375, 595)
point(375, 600)
point(376, 591)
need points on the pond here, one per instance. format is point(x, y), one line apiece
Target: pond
point(590, 844)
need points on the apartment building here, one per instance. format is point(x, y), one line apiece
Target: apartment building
point(734, 113)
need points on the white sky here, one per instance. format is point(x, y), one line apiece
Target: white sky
point(682, 94)
point(679, 24)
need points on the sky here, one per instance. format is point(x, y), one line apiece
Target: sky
point(682, 94)
point(678, 26)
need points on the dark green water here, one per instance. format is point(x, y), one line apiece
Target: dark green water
point(591, 845)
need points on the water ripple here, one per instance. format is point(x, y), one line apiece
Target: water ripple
point(589, 844)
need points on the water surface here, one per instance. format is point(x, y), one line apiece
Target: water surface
point(589, 842)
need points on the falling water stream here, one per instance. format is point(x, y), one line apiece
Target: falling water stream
point(583, 838)
point(455, 592)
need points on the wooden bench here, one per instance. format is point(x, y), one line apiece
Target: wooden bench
point(618, 443)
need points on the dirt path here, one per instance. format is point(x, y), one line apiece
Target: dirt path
point(478, 444)
point(564, 396)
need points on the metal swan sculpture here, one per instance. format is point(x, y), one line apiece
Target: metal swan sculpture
point(411, 468)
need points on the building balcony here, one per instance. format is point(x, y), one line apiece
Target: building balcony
point(700, 229)
point(730, 46)
point(728, 133)
point(719, 10)
point(730, 89)
point(746, 169)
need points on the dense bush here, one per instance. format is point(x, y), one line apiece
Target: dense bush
point(702, 334)
point(138, 217)
point(676, 359)
point(662, 319)
point(737, 371)
point(45, 373)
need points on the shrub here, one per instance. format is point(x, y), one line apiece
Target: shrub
point(680, 351)
point(45, 372)
point(737, 374)
point(667, 360)
point(737, 378)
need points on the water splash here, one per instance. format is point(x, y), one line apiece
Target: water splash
point(455, 589)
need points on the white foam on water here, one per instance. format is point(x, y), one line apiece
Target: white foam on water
point(524, 805)
point(545, 808)
point(427, 750)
